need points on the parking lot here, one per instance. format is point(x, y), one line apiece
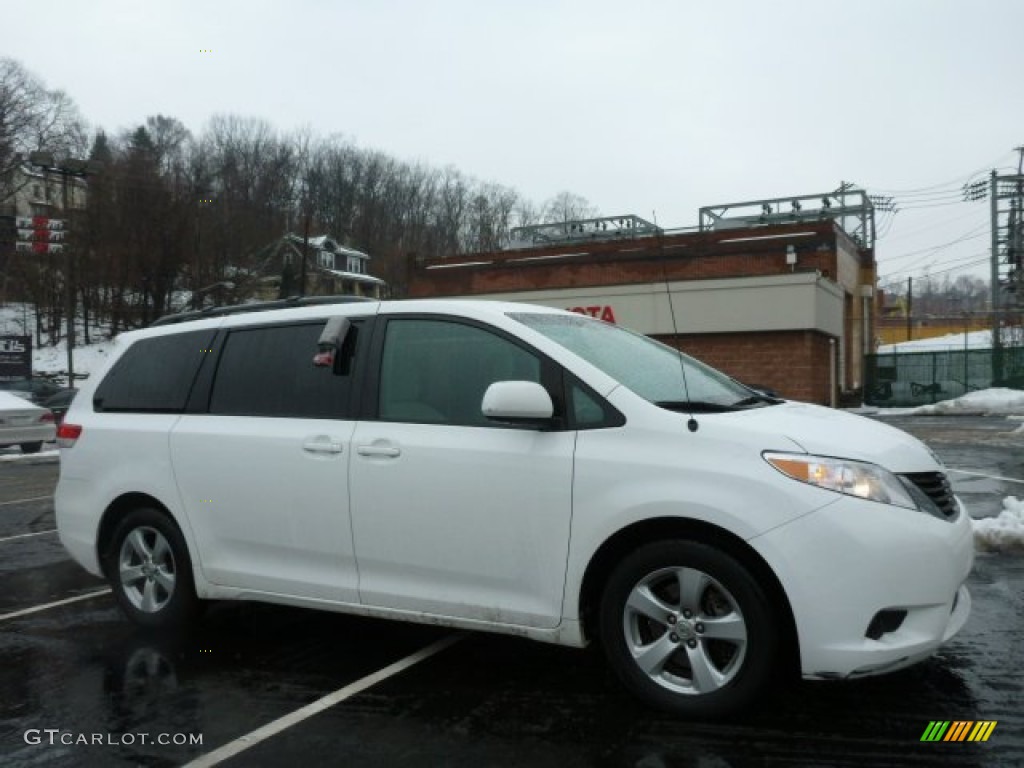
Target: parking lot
point(266, 685)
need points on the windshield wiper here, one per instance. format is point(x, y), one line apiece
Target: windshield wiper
point(757, 398)
point(695, 406)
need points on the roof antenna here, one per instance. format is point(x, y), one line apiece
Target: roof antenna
point(691, 423)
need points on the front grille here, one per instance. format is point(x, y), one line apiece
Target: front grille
point(936, 487)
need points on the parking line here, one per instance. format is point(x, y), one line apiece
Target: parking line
point(26, 535)
point(990, 477)
point(23, 501)
point(253, 738)
point(47, 606)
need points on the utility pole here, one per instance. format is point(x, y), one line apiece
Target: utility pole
point(69, 288)
point(66, 169)
point(197, 279)
point(1016, 233)
point(997, 351)
point(1007, 211)
point(910, 309)
point(305, 256)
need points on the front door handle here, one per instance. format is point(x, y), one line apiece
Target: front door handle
point(322, 446)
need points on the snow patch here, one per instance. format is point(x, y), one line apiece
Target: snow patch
point(1004, 533)
point(88, 359)
point(997, 401)
point(19, 319)
point(19, 456)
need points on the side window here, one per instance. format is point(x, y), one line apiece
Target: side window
point(589, 411)
point(154, 374)
point(436, 371)
point(270, 372)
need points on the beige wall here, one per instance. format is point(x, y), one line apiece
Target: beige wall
point(848, 266)
point(799, 301)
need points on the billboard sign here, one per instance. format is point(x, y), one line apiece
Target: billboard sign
point(15, 357)
point(39, 234)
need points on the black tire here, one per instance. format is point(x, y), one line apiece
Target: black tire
point(150, 571)
point(709, 655)
point(31, 447)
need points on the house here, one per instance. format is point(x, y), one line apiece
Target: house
point(331, 269)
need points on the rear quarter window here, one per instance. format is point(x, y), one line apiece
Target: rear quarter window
point(154, 374)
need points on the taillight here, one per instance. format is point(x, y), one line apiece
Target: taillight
point(46, 418)
point(67, 434)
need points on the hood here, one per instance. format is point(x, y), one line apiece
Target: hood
point(827, 432)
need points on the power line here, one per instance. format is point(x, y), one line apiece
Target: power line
point(984, 169)
point(944, 221)
point(969, 235)
point(909, 269)
point(930, 265)
point(885, 223)
point(982, 260)
point(956, 264)
point(968, 191)
point(921, 206)
point(954, 193)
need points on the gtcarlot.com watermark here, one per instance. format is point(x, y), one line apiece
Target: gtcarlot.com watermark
point(56, 736)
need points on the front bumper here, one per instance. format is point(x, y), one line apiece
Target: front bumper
point(843, 564)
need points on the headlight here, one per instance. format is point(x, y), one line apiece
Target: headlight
point(854, 478)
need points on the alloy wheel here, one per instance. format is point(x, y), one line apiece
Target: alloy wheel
point(684, 630)
point(146, 569)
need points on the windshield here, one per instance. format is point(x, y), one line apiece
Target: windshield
point(647, 367)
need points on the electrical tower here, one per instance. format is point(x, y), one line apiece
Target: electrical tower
point(852, 207)
point(1006, 195)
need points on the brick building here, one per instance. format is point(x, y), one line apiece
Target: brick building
point(781, 305)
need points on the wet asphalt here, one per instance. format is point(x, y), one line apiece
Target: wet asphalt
point(79, 671)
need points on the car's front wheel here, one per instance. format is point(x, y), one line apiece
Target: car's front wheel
point(688, 629)
point(150, 571)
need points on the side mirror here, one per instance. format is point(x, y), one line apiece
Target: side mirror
point(518, 402)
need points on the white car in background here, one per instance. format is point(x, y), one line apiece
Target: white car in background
point(24, 423)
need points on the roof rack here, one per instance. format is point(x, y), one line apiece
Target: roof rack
point(257, 306)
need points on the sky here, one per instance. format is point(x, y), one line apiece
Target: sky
point(651, 107)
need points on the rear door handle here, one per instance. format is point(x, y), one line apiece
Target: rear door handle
point(322, 446)
point(375, 449)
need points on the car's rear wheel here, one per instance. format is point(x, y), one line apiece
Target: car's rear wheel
point(688, 629)
point(31, 447)
point(150, 571)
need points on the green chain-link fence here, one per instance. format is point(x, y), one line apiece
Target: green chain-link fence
point(918, 378)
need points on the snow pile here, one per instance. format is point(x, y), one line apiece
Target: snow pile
point(973, 340)
point(1004, 533)
point(88, 360)
point(984, 402)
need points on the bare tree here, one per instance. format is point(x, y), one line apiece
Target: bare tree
point(567, 206)
point(173, 211)
point(33, 118)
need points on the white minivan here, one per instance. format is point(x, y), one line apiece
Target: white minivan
point(514, 469)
